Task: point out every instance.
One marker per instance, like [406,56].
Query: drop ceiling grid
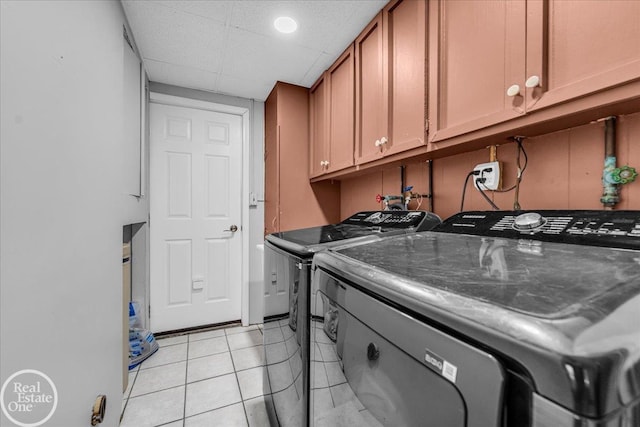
[231,47]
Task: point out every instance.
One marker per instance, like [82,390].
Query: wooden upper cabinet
[406,38]
[586,48]
[291,201]
[341,111]
[371,101]
[390,81]
[332,117]
[496,60]
[478,54]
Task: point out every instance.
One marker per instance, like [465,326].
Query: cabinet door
[478,54]
[405,25]
[587,47]
[371,103]
[341,111]
[318,127]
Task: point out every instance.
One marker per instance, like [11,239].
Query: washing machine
[492,319]
[287,278]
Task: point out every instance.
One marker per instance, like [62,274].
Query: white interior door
[195,204]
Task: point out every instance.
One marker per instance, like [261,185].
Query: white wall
[62,208]
[256,184]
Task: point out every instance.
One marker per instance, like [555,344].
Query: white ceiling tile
[231,46]
[177,75]
[252,89]
[251,56]
[176,37]
[322,63]
[321,24]
[352,25]
[218,10]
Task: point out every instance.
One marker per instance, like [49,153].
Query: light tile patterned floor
[211,378]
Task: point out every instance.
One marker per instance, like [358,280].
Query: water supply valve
[621,175]
[387,199]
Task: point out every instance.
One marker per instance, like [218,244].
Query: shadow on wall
[564,171]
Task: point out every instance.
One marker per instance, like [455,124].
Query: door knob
[232,229]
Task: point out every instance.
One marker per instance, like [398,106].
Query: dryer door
[376,366]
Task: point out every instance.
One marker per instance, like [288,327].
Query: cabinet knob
[377,143]
[383,140]
[513,90]
[326,163]
[533,81]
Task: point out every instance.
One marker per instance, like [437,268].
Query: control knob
[529,221]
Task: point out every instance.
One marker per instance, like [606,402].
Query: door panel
[480,55]
[179,175]
[341,112]
[218,271]
[195,199]
[371,117]
[406,27]
[178,264]
[584,49]
[318,124]
[218,172]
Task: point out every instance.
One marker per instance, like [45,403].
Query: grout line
[210,378]
[184,406]
[128,396]
[169,422]
[217,409]
[156,391]
[235,373]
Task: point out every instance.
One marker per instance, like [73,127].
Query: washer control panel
[597,228]
[418,220]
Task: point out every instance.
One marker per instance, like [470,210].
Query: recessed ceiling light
[285,24]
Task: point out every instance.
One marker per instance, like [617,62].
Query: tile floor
[211,378]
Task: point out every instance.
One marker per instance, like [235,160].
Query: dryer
[287,269]
[492,319]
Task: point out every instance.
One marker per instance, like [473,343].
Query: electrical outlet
[491,174]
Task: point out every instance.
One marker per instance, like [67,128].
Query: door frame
[176,101]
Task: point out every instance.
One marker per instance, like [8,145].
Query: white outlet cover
[492,179]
